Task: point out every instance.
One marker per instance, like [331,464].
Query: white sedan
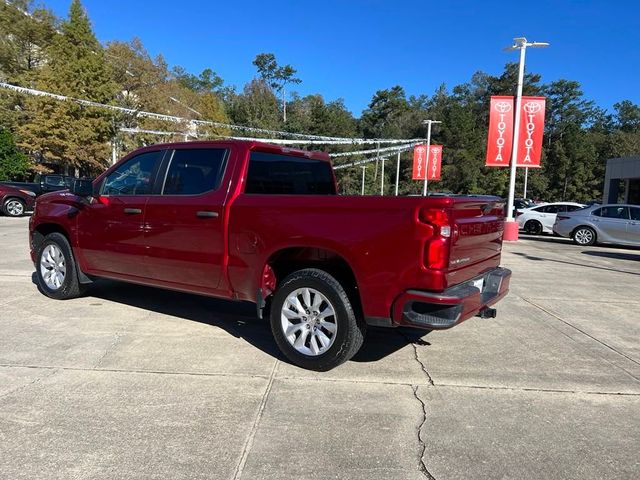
[541,218]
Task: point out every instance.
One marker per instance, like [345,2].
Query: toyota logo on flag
[532,107]
[502,107]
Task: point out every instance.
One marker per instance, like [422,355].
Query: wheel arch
[285,261]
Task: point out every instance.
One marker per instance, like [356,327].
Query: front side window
[272,173]
[134,177]
[635,213]
[194,171]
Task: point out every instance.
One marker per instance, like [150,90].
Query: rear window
[271,173]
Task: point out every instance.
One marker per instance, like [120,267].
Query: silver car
[612,223]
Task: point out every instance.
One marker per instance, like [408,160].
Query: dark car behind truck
[263,223]
[44,183]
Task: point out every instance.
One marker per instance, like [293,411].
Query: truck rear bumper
[442,310]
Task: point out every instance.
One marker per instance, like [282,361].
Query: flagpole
[426,168]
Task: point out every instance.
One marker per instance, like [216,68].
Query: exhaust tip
[487,313]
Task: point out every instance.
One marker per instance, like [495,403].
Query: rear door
[184,221]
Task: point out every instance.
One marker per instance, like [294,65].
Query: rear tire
[533,227]
[14,207]
[313,321]
[56,269]
[584,236]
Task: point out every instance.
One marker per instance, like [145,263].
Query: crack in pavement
[29,384]
[115,341]
[421,465]
[417,357]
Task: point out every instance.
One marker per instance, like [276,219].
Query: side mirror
[82,187]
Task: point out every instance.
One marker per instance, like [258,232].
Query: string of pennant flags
[304,139]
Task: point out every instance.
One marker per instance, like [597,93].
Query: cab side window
[134,177]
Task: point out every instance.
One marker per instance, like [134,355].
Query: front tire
[533,227]
[14,207]
[56,270]
[313,321]
[584,236]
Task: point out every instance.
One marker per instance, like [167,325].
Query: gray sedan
[613,223]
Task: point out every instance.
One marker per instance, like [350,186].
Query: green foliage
[14,165]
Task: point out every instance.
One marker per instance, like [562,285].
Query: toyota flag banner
[419,161]
[500,132]
[531,130]
[500,142]
[435,162]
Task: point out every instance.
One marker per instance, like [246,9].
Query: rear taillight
[438,218]
[561,217]
[436,248]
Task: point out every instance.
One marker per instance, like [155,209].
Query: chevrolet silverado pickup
[263,223]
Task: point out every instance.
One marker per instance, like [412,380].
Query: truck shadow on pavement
[545,259]
[634,257]
[236,318]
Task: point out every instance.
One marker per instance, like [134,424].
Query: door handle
[206,214]
[132,211]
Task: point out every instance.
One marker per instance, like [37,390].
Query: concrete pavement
[134,382]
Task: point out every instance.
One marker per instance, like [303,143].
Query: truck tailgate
[476,238]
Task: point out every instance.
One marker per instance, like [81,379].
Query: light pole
[426,167]
[397,173]
[519,43]
[364,169]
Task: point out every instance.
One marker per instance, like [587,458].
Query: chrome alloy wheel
[53,267]
[15,208]
[584,236]
[308,321]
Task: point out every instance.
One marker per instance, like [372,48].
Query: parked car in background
[539,219]
[619,224]
[44,183]
[15,201]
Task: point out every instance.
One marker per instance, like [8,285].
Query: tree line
[40,51]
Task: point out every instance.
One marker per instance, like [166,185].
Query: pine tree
[64,132]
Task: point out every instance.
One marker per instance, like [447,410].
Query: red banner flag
[531,130]
[435,162]
[419,161]
[500,132]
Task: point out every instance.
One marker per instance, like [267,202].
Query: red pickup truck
[264,223]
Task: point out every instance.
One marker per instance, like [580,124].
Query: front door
[633,227]
[184,222]
[110,227]
[613,222]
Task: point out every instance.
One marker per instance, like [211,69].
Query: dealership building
[622,181]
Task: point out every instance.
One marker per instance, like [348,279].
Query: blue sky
[350,49]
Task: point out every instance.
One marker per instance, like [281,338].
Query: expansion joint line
[254,428]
